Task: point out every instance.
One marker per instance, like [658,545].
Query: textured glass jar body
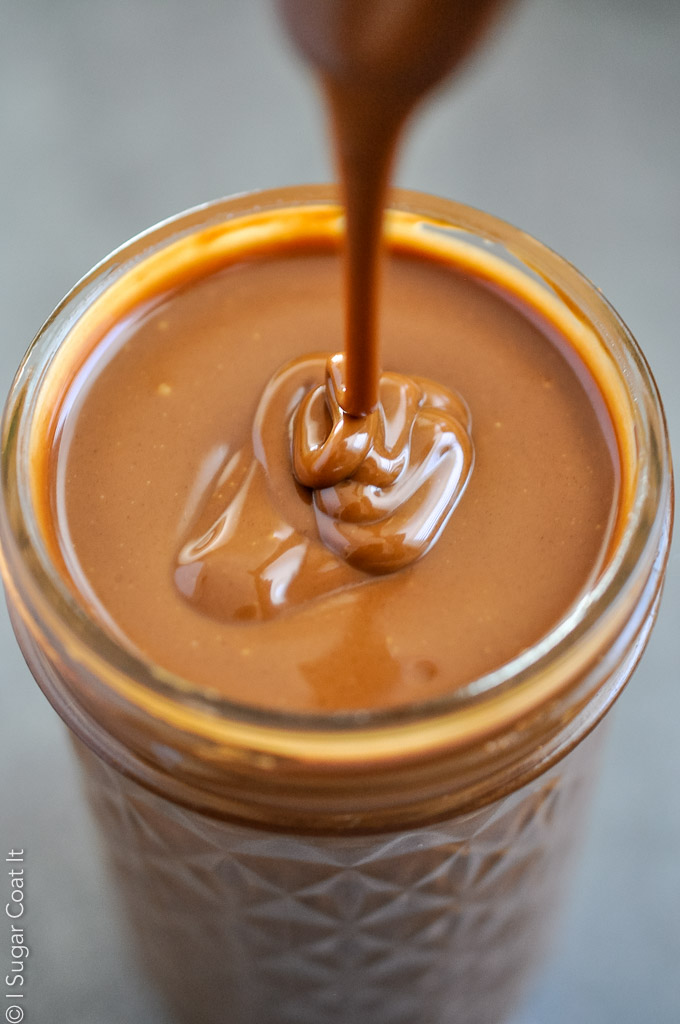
[398,868]
[427,926]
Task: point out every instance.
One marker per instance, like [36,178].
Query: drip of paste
[366,495]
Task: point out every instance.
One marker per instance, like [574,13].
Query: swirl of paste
[366,496]
[385,484]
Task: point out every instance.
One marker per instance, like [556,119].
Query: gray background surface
[116,115]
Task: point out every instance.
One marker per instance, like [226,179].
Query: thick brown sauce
[387,457]
[147,431]
[375,60]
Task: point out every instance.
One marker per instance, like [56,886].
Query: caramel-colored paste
[169,487]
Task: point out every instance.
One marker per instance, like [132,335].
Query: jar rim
[532,677]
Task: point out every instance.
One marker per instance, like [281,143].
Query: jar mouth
[561,656]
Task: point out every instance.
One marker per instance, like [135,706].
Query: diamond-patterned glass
[437,924]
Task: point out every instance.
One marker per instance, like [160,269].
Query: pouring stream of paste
[375,60]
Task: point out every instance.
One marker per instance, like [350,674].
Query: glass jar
[397,866]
